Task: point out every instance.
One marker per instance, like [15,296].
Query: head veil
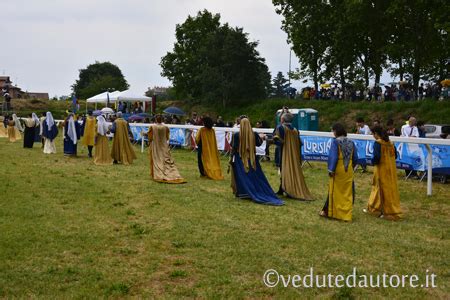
[17,122]
[36,119]
[102,126]
[247,144]
[49,120]
[71,130]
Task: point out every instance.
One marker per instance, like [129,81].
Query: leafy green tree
[308,31]
[420,45]
[279,85]
[98,78]
[215,63]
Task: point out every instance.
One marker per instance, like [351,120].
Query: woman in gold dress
[162,166]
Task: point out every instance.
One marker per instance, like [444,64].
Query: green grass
[70,229]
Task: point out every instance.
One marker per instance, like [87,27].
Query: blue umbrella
[135,118]
[145,115]
[96,113]
[174,111]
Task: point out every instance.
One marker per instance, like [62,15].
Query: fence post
[430,171]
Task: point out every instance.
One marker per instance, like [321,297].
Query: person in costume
[208,154]
[162,166]
[3,130]
[287,138]
[29,133]
[11,130]
[37,129]
[89,133]
[122,150]
[71,135]
[384,200]
[102,156]
[49,132]
[341,191]
[18,128]
[41,129]
[14,127]
[247,177]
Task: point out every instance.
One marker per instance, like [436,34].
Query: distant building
[16,92]
[160,90]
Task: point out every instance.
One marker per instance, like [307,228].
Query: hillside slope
[430,111]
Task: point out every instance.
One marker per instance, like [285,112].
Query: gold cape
[3,130]
[292,179]
[13,132]
[122,150]
[210,154]
[89,132]
[162,166]
[384,198]
[101,152]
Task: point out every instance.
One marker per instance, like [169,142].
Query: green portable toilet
[308,119]
[304,118]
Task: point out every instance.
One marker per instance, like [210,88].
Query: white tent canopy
[130,96]
[103,97]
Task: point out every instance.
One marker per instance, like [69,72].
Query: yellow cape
[210,154]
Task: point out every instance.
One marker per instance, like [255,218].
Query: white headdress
[49,120]
[102,126]
[17,122]
[71,131]
[35,118]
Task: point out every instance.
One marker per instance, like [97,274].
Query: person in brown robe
[102,155]
[292,180]
[122,150]
[162,166]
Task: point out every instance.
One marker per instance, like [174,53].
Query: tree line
[355,40]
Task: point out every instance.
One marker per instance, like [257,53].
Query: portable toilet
[304,119]
[308,119]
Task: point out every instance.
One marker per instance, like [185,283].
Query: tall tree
[420,45]
[98,78]
[308,31]
[279,85]
[215,63]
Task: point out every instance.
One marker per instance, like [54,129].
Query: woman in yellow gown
[384,200]
[3,130]
[162,166]
[208,155]
[341,160]
[102,156]
[14,129]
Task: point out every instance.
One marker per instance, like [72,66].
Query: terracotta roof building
[16,92]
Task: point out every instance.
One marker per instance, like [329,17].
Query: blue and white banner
[177,135]
[410,156]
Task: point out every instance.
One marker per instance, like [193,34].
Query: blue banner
[136,131]
[410,156]
[177,135]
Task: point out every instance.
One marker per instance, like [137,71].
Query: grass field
[70,229]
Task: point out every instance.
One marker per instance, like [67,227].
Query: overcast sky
[46,42]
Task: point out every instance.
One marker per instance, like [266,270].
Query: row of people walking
[247,177]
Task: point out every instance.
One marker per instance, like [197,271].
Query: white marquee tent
[125,96]
[103,97]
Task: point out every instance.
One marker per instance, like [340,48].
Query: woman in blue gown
[247,177]
[71,136]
